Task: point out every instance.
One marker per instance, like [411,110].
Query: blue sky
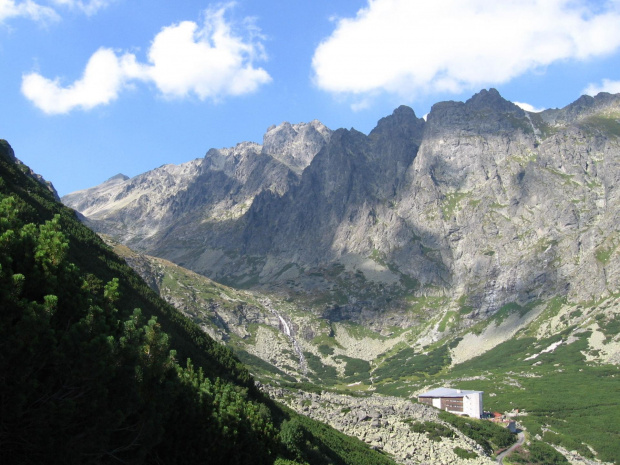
[93,88]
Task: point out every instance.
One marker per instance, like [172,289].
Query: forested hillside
[95,368]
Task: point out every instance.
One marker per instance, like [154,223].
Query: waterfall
[286,329]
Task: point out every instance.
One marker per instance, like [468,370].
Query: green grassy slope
[563,397]
[568,401]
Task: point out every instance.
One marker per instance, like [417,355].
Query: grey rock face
[334,206]
[204,196]
[296,144]
[484,203]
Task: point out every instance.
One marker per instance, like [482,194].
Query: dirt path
[520,439]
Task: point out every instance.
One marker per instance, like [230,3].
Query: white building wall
[472,405]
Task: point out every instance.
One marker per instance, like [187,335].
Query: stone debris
[383,423]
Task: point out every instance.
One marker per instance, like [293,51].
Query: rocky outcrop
[484,201]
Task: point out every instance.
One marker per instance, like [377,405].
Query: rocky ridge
[484,203]
[203,196]
[518,240]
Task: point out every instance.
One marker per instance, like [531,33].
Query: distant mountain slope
[484,203]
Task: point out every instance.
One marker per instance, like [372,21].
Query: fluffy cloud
[613,87]
[407,47]
[26,9]
[528,107]
[210,62]
[104,76]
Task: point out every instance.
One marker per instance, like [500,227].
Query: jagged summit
[295,144]
[584,107]
[221,186]
[401,119]
[485,112]
[120,177]
[493,101]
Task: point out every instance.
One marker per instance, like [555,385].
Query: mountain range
[476,247]
[483,202]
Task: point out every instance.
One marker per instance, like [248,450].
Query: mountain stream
[286,329]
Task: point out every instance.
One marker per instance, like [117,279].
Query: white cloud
[88,7]
[210,62]
[528,107]
[613,87]
[26,9]
[104,77]
[407,47]
[36,11]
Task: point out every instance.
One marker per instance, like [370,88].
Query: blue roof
[448,392]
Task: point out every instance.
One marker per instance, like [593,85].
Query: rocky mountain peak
[587,104]
[119,176]
[584,107]
[403,120]
[487,112]
[491,100]
[229,159]
[295,145]
[117,179]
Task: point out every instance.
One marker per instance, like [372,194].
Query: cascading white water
[286,329]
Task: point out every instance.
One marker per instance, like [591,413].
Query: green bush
[542,453]
[326,350]
[434,431]
[407,362]
[489,435]
[464,454]
[356,369]
[292,437]
[281,461]
[537,453]
[325,373]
